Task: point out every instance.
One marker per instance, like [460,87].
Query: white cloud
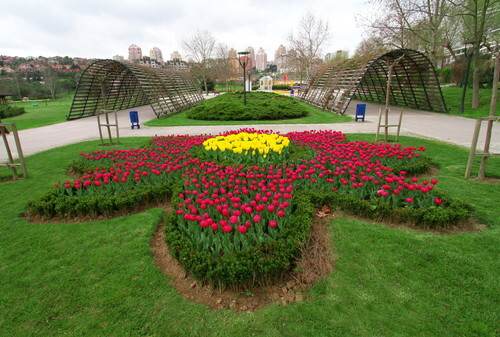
[103,28]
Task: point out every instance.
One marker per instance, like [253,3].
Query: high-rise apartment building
[251,58]
[280,58]
[155,54]
[134,53]
[261,59]
[175,56]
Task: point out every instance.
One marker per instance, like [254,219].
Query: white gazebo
[266,83]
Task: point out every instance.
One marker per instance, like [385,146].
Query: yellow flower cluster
[248,143]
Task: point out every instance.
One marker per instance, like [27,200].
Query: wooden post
[117,131]
[387,97]
[379,121]
[9,153]
[20,154]
[489,127]
[473,148]
[399,125]
[109,128]
[99,127]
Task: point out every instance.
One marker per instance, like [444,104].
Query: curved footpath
[448,128]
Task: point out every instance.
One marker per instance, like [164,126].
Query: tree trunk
[205,85]
[475,83]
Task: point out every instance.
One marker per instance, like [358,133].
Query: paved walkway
[448,128]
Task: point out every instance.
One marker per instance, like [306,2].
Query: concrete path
[452,129]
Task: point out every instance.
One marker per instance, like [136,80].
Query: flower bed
[242,209]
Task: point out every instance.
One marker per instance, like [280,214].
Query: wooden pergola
[108,85]
[413,84]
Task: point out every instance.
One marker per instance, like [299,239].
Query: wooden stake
[379,121]
[9,153]
[489,127]
[473,149]
[99,127]
[117,131]
[109,128]
[20,154]
[399,125]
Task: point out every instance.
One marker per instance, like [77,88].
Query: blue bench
[360,112]
[134,119]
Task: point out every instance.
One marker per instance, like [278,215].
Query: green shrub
[432,217]
[418,165]
[260,106]
[55,204]
[7,111]
[281,87]
[266,260]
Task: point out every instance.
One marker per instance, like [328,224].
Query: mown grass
[452,96]
[99,279]
[228,109]
[41,113]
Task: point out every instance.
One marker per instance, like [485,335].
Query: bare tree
[480,19]
[419,24]
[223,64]
[307,43]
[200,47]
[386,25]
[370,47]
[50,80]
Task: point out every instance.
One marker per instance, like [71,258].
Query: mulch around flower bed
[316,261]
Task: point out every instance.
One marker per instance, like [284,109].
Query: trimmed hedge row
[7,111]
[433,217]
[264,261]
[53,204]
[275,256]
[260,106]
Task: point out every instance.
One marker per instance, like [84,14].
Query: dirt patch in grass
[316,262]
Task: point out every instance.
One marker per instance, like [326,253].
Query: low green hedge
[261,262]
[55,204]
[7,111]
[260,106]
[281,87]
[273,257]
[433,217]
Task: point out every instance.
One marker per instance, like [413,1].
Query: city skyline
[100,29]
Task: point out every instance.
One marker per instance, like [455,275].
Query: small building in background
[266,84]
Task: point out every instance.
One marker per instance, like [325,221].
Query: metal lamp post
[243,60]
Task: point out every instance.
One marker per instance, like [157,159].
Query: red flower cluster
[254,201]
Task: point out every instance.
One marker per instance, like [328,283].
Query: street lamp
[243,60]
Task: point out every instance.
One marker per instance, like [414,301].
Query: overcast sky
[103,28]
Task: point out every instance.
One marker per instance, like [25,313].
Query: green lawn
[98,278]
[232,86]
[40,113]
[316,116]
[452,96]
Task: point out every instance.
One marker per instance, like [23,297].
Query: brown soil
[316,261]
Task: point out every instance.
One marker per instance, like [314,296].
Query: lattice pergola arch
[414,82]
[109,85]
